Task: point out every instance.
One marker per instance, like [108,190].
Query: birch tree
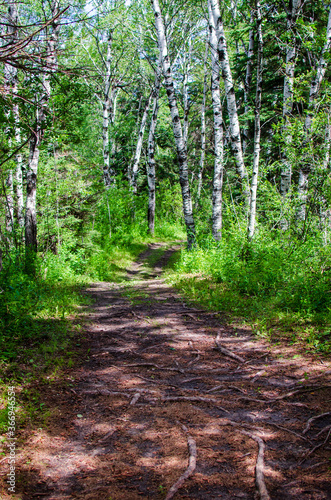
[151,152]
[230,98]
[177,128]
[203,123]
[291,50]
[42,101]
[136,159]
[313,93]
[257,124]
[218,130]
[247,83]
[10,88]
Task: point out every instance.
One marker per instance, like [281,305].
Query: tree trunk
[286,174]
[186,103]
[19,173]
[41,110]
[106,116]
[203,123]
[10,87]
[257,124]
[248,81]
[136,160]
[230,98]
[151,152]
[314,89]
[178,134]
[218,131]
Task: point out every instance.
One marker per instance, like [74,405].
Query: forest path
[151,367]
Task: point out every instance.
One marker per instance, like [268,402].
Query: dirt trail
[151,367]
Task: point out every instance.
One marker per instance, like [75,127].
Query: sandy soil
[152,383]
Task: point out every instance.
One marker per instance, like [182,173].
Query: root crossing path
[171,402]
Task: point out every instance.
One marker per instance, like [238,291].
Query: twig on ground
[312,419]
[226,352]
[190,469]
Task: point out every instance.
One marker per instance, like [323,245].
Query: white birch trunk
[10,202]
[41,110]
[186,104]
[248,80]
[286,174]
[10,88]
[230,98]
[151,153]
[314,89]
[178,134]
[19,173]
[257,125]
[113,96]
[325,212]
[203,124]
[106,116]
[218,131]
[136,160]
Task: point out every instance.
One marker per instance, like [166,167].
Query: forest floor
[161,385]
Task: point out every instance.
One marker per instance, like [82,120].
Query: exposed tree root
[298,391]
[226,352]
[312,419]
[262,492]
[153,365]
[288,430]
[316,448]
[190,469]
[195,398]
[220,386]
[323,430]
[135,398]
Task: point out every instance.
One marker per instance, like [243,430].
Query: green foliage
[275,278]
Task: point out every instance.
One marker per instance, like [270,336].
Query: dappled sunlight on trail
[152,369]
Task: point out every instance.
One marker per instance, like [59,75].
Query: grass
[279,300]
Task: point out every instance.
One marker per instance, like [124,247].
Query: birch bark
[231,98]
[177,128]
[286,174]
[136,160]
[186,102]
[218,131]
[203,123]
[151,153]
[314,89]
[248,81]
[257,124]
[106,116]
[41,109]
[10,87]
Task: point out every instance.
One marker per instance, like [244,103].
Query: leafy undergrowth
[40,334]
[282,293]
